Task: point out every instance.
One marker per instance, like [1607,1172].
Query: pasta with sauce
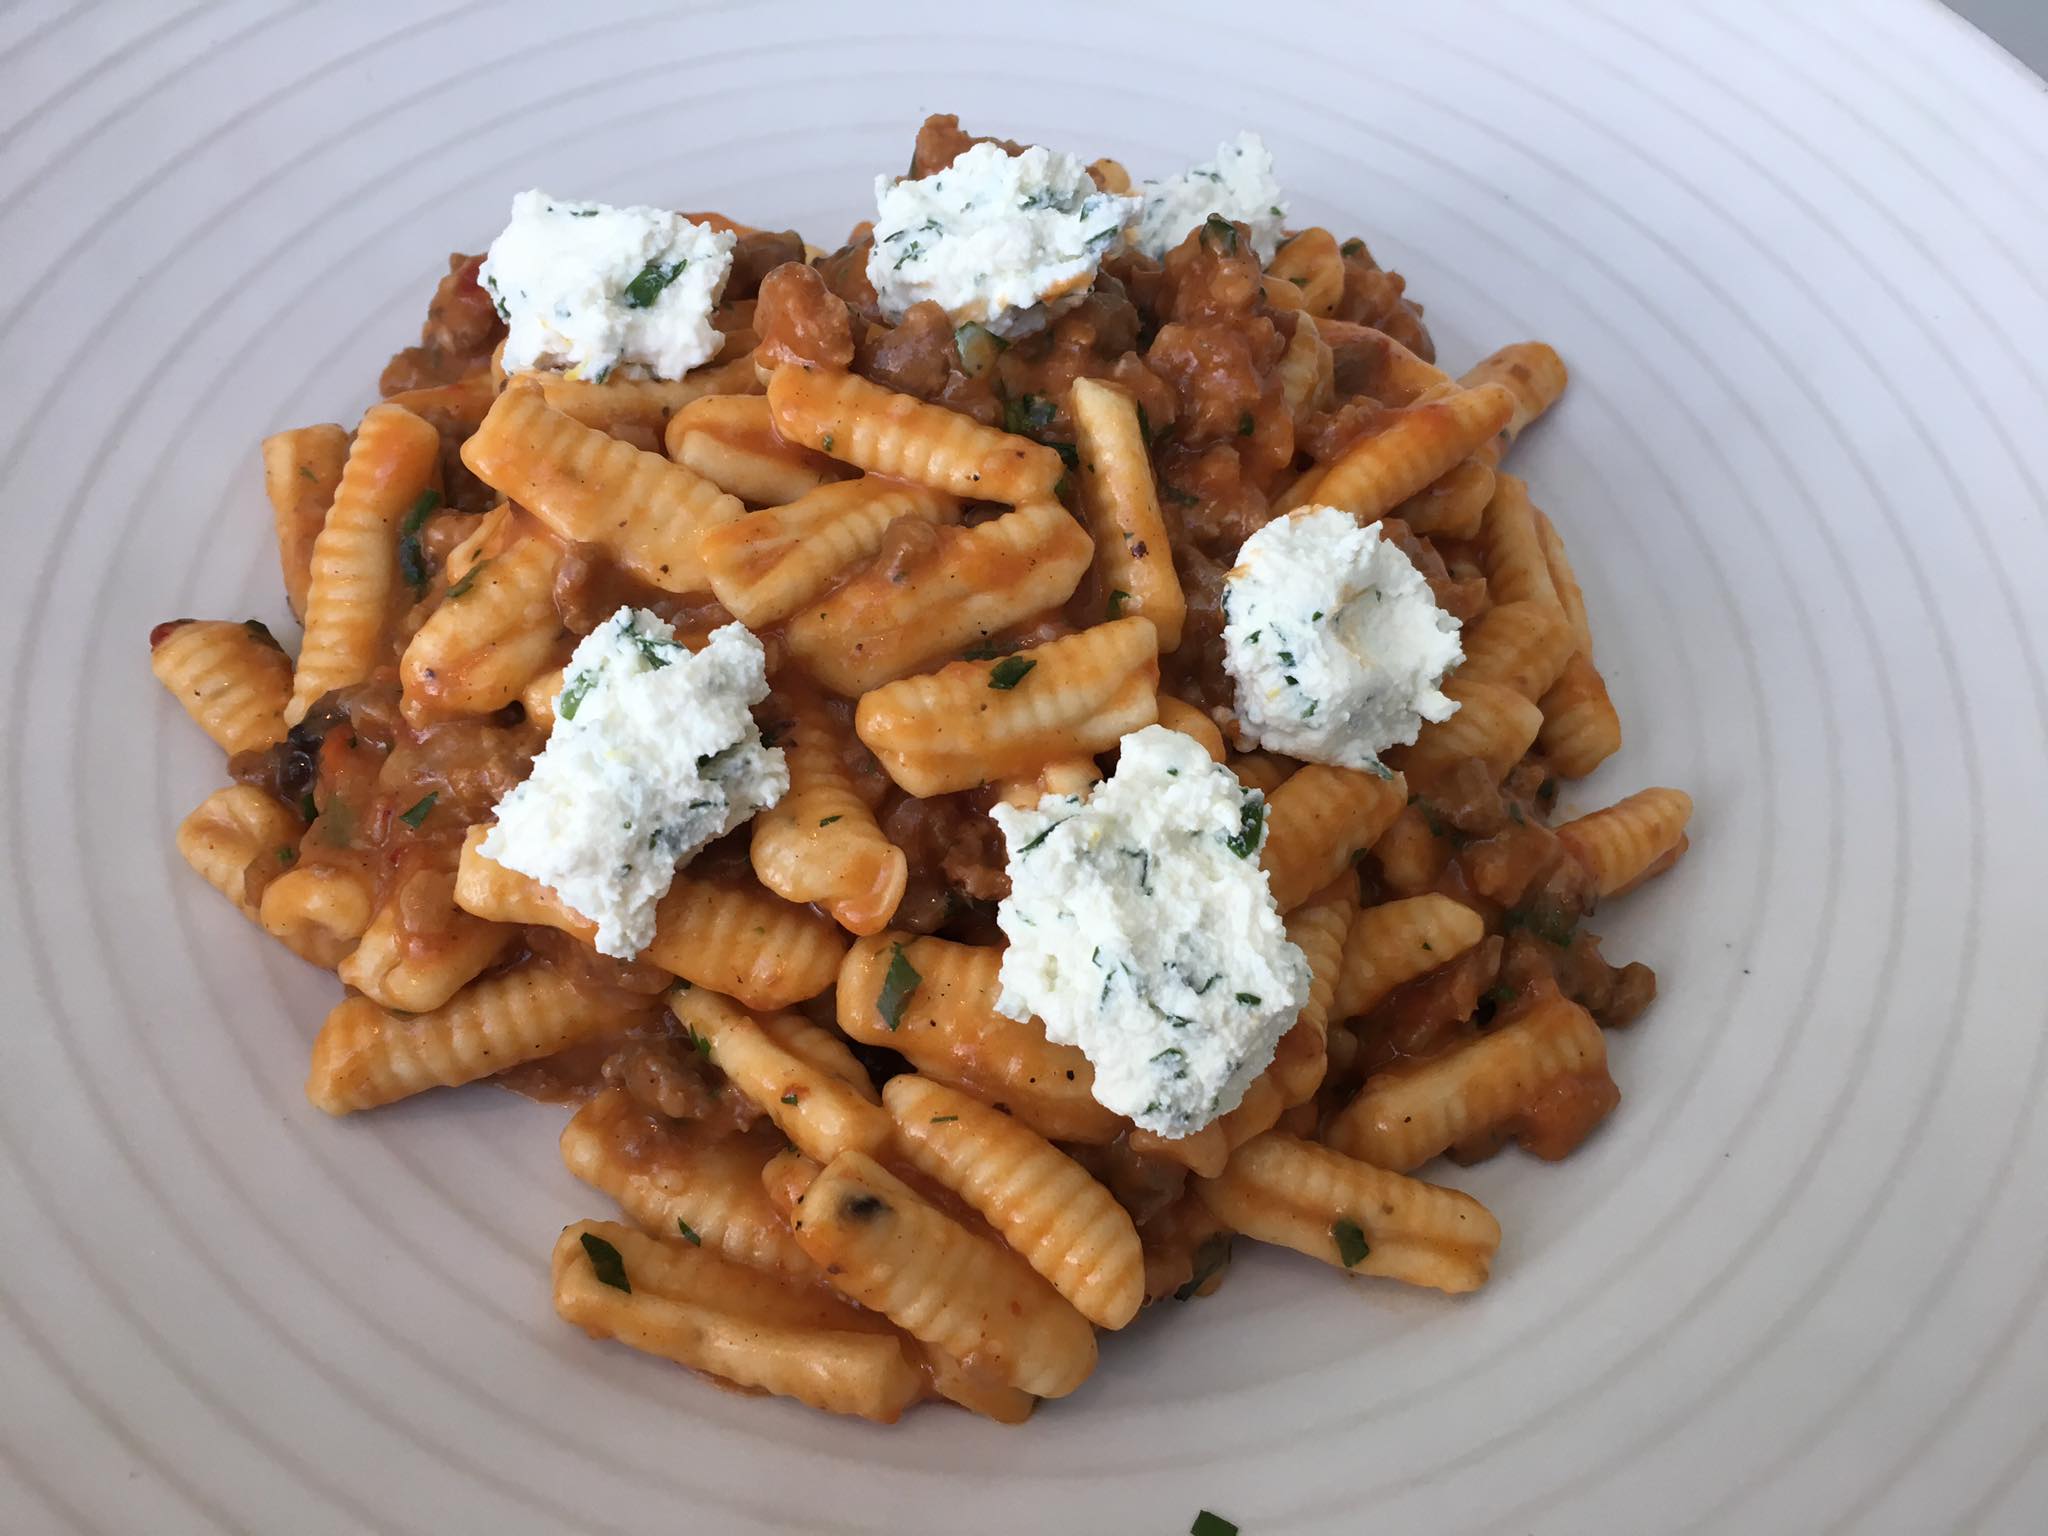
[976,554]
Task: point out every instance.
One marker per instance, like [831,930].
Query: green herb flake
[412,555]
[1009,672]
[1117,599]
[827,821]
[461,588]
[1249,999]
[418,813]
[1352,247]
[575,693]
[1028,415]
[606,1264]
[1048,832]
[287,855]
[944,1119]
[307,471]
[898,982]
[1500,994]
[826,442]
[309,808]
[1251,823]
[1207,1524]
[986,651]
[654,277]
[689,1233]
[1245,424]
[1351,1244]
[1222,231]
[1211,1259]
[790,1098]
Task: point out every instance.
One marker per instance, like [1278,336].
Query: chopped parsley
[1048,832]
[688,1232]
[412,818]
[826,443]
[1249,999]
[1222,231]
[1178,496]
[826,821]
[1009,672]
[287,855]
[943,1119]
[898,982]
[789,1098]
[307,471]
[468,580]
[606,1264]
[1351,1244]
[1028,415]
[986,651]
[1117,599]
[701,1044]
[1351,247]
[1544,917]
[412,555]
[654,277]
[575,693]
[309,808]
[1207,1524]
[1173,1056]
[1211,1259]
[1251,822]
[1245,424]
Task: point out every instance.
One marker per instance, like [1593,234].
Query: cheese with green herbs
[653,754]
[589,288]
[1334,641]
[1238,184]
[1141,930]
[998,240]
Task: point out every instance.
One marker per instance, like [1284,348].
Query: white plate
[1792,254]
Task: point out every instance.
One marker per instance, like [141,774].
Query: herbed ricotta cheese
[1142,930]
[588,287]
[1006,241]
[653,754]
[1334,641]
[1238,184]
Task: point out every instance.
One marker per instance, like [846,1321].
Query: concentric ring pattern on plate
[1799,1283]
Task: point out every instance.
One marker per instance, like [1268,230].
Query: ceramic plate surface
[1793,256]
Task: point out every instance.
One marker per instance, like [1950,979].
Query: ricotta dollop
[1238,184]
[589,287]
[1334,641]
[1141,930]
[1005,241]
[653,754]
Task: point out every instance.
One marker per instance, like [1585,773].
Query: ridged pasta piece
[820,842]
[318,911]
[720,932]
[1493,723]
[454,408]
[1529,371]
[957,1384]
[365,1056]
[1202,1152]
[643,511]
[1262,770]
[420,949]
[1382,367]
[301,470]
[1630,840]
[230,830]
[1580,728]
[885,433]
[1044,1204]
[822,1112]
[1521,645]
[729,934]
[1317,819]
[354,593]
[1411,857]
[1414,446]
[707,1313]
[976,721]
[1312,263]
[643,405]
[1510,552]
[731,441]
[948,1028]
[234,680]
[1281,294]
[1132,553]
[1570,596]
[1318,927]
[1057,776]
[895,1253]
[947,589]
[765,566]
[1178,715]
[1397,941]
[538,697]
[494,631]
[669,1175]
[1353,1216]
[1306,371]
[1452,506]
[1540,1078]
